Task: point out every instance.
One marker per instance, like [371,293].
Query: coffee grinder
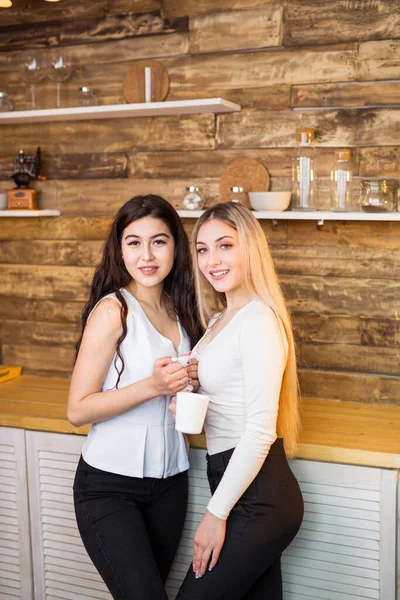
[25,168]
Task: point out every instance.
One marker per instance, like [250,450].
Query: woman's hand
[208,541]
[192,371]
[169,377]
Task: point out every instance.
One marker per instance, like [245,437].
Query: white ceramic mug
[191,411]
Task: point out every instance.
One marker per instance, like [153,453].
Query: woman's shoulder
[262,316]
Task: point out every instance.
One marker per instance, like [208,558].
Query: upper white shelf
[30,213]
[117,111]
[315,215]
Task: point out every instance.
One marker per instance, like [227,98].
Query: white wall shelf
[30,213]
[117,111]
[318,215]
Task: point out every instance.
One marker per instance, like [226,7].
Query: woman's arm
[263,358]
[86,402]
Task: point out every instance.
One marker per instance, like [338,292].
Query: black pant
[131,528]
[260,526]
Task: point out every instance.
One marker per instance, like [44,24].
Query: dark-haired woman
[130,489]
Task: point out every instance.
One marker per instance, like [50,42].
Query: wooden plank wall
[330,64]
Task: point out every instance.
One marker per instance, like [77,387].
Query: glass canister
[341,181]
[304,195]
[193,200]
[5,103]
[237,194]
[86,97]
[379,194]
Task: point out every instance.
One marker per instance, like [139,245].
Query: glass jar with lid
[341,181]
[5,103]
[192,200]
[378,194]
[237,194]
[86,97]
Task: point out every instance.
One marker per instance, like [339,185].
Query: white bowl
[269,200]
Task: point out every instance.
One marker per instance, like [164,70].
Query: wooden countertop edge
[349,456]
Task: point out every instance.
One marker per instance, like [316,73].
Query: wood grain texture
[359,94]
[76,166]
[36,12]
[350,387]
[56,228]
[179,8]
[110,52]
[337,261]
[91,197]
[31,309]
[350,358]
[22,332]
[115,135]
[255,69]
[378,60]
[311,21]
[369,298]
[38,252]
[385,161]
[37,358]
[77,31]
[213,163]
[62,284]
[235,30]
[346,234]
[352,127]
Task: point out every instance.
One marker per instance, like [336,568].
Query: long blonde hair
[259,276]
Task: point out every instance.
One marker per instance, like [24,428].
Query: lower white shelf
[315,215]
[30,213]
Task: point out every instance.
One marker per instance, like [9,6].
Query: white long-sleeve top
[241,371]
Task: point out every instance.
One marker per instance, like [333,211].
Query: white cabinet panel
[15,547]
[62,568]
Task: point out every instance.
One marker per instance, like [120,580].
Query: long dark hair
[111,274]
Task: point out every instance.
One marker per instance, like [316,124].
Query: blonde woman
[247,366]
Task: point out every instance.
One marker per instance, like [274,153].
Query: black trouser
[260,526]
[131,528]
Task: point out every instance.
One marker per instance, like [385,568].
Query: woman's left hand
[208,542]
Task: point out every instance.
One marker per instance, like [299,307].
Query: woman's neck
[236,299]
[152,297]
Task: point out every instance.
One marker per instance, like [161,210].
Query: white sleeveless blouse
[141,442]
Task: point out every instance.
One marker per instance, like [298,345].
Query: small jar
[5,103]
[237,194]
[193,200]
[86,97]
[378,195]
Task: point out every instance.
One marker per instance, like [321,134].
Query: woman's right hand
[169,377]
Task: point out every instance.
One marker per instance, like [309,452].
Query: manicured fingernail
[174,359]
[210,568]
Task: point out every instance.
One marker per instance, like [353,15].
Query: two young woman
[131,485]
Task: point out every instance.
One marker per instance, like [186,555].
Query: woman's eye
[133,243]
[201,250]
[226,246]
[159,242]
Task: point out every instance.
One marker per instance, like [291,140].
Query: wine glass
[33,70]
[60,69]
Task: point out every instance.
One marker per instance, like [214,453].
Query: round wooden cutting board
[247,173]
[134,82]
